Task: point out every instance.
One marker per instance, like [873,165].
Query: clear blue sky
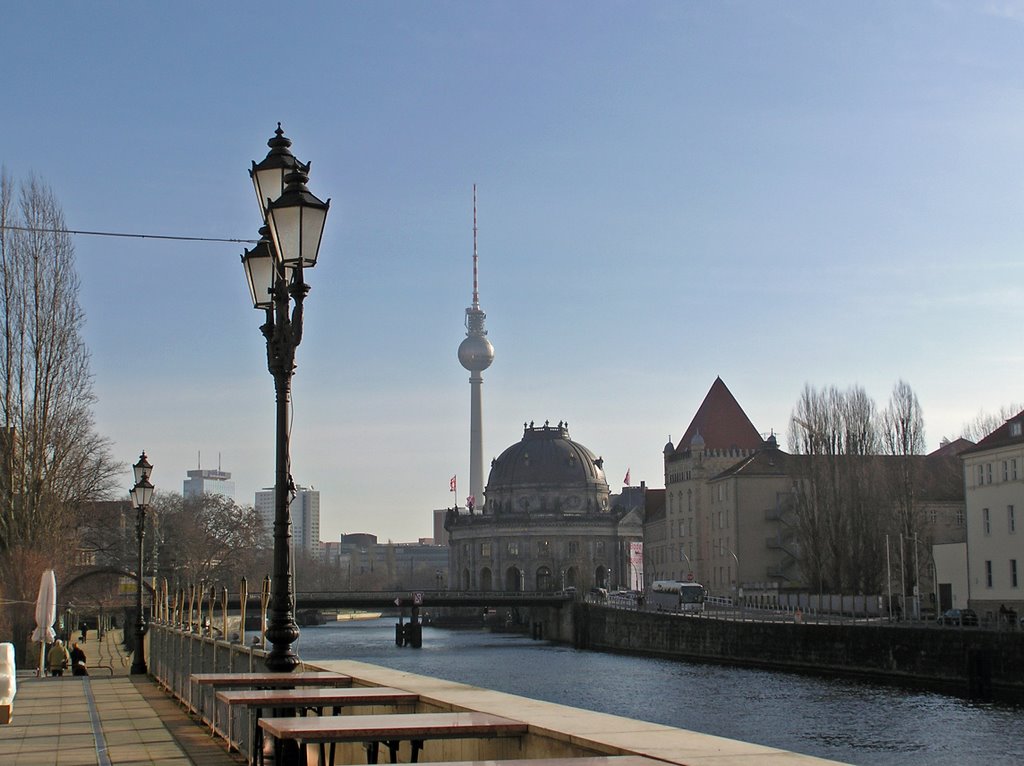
[778,193]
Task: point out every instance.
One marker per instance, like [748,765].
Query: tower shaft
[476,438]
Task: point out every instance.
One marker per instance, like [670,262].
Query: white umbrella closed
[46,614]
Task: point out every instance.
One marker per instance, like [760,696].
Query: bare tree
[54,457]
[985,423]
[208,538]
[903,440]
[839,524]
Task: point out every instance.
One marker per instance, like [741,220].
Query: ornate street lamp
[142,495]
[290,241]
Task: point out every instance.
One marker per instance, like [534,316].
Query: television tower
[475,354]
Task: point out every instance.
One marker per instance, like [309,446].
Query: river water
[850,721]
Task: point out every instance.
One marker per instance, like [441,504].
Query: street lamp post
[141,494]
[290,241]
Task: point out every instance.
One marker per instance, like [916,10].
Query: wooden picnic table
[259,680]
[289,701]
[389,729]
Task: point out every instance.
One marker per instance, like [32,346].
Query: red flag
[626,480]
[451,485]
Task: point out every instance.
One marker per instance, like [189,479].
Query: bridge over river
[426,598]
[421,598]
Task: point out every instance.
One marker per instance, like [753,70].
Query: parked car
[958,617]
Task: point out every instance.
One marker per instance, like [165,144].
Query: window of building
[1013,572]
[543,547]
[988,473]
[1006,471]
[981,474]
[574,547]
[1011,519]
[599,547]
[959,517]
[513,549]
[986,522]
[485,550]
[1015,429]
[465,550]
[1013,469]
[933,516]
[988,574]
[682,527]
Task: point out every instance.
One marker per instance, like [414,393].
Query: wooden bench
[264,680]
[292,735]
[287,702]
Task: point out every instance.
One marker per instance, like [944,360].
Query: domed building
[546,523]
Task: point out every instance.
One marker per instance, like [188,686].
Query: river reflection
[842,720]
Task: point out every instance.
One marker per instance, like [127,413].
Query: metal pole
[888,575]
[283,334]
[903,579]
[917,583]
[139,659]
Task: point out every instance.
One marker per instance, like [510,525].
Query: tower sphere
[476,353]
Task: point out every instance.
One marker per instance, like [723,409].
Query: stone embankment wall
[979,663]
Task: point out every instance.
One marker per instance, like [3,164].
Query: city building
[440,533]
[305,515]
[752,526]
[363,563]
[206,481]
[993,473]
[698,539]
[547,522]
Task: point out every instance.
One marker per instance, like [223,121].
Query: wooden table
[289,701]
[389,729]
[263,680]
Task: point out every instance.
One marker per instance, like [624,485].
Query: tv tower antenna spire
[476,258]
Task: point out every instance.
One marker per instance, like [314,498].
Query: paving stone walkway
[107,718]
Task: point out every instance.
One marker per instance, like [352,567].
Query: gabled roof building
[700,540]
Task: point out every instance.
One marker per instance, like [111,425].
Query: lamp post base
[139,657]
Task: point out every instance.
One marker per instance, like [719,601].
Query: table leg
[372,751]
[416,745]
[393,749]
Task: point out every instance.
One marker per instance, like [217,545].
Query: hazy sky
[777,193]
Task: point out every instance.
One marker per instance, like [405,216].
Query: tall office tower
[305,514]
[205,481]
[475,354]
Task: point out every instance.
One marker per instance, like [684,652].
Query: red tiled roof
[722,423]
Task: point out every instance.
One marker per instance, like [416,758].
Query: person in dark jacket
[78,667]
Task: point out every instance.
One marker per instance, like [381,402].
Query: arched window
[544,581]
[571,578]
[485,578]
[513,580]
